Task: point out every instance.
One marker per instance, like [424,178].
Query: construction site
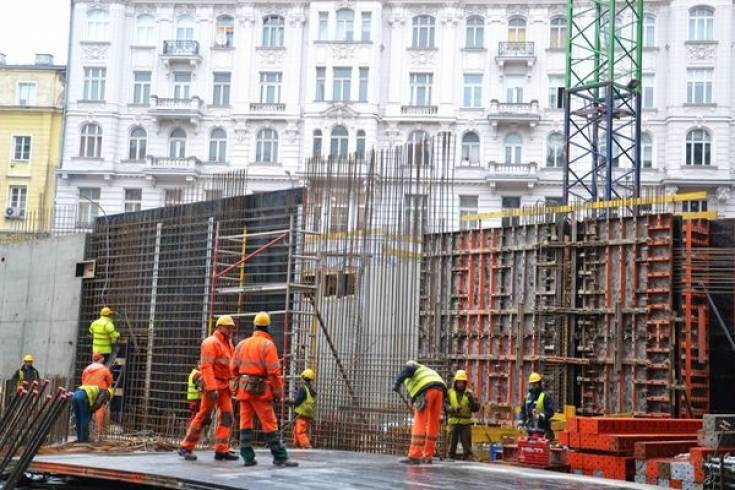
[621,301]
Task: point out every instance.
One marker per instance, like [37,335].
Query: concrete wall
[39,303]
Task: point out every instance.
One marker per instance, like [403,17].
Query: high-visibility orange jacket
[97,374]
[257,356]
[215,361]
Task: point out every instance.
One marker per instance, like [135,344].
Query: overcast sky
[28,27]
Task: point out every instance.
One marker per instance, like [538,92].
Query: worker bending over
[426,389]
[461,405]
[97,374]
[26,372]
[86,401]
[260,384]
[194,388]
[216,356]
[304,405]
[104,335]
[538,408]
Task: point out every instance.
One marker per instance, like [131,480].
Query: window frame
[701,27]
[323,26]
[423,32]
[474,32]
[218,145]
[274,31]
[693,85]
[149,38]
[473,90]
[649,31]
[20,200]
[705,152]
[137,145]
[317,141]
[221,88]
[271,87]
[517,29]
[341,85]
[14,149]
[87,211]
[345,28]
[363,83]
[132,205]
[185,28]
[360,144]
[320,88]
[266,144]
[554,152]
[180,85]
[95,80]
[31,84]
[177,143]
[221,27]
[468,209]
[97,30]
[340,142]
[142,88]
[366,26]
[470,149]
[421,86]
[558,32]
[646,148]
[513,150]
[91,140]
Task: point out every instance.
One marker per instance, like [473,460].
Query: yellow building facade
[31,127]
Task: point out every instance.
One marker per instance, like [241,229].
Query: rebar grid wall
[370,214]
[591,303]
[154,268]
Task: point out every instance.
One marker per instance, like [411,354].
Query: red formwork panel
[697,455]
[662,449]
[620,425]
[614,467]
[658,468]
[620,443]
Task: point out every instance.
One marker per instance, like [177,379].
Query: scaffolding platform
[318,469]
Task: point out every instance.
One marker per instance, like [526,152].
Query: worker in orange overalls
[304,405]
[259,384]
[215,363]
[97,374]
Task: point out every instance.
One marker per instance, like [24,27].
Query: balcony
[163,109]
[187,167]
[523,173]
[181,52]
[522,52]
[419,110]
[267,107]
[514,112]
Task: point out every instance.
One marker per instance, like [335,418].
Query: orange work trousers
[263,409]
[426,425]
[224,423]
[301,432]
[99,420]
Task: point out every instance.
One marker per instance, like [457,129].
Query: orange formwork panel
[697,456]
[661,449]
[625,425]
[659,468]
[614,467]
[620,443]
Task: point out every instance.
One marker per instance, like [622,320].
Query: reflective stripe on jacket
[462,409]
[257,356]
[192,392]
[308,406]
[103,335]
[421,378]
[215,361]
[97,374]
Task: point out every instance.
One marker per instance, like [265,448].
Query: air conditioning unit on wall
[14,213]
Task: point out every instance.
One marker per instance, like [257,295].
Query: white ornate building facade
[163,92]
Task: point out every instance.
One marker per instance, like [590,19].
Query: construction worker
[461,405]
[304,405]
[538,408]
[426,389]
[86,401]
[26,372]
[260,384]
[104,335]
[97,374]
[216,355]
[194,388]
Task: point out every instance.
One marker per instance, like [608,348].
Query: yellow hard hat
[106,311]
[111,391]
[28,358]
[262,319]
[308,374]
[534,378]
[225,321]
[460,375]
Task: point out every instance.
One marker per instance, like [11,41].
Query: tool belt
[255,385]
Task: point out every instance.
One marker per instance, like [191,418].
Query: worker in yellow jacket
[86,401]
[104,334]
[304,405]
[26,373]
[461,405]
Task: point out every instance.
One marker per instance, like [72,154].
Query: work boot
[285,463]
[228,456]
[187,455]
[409,461]
[427,461]
[250,462]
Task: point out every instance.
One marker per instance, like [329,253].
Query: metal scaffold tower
[602,123]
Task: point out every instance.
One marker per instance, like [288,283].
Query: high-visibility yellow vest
[464,416]
[307,407]
[93,392]
[421,378]
[539,402]
[192,393]
[103,335]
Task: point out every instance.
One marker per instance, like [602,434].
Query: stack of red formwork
[605,446]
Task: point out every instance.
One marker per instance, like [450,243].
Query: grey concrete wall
[39,304]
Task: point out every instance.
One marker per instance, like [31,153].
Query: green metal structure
[602,124]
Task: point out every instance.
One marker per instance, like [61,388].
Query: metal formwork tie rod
[32,417]
[11,408]
[17,416]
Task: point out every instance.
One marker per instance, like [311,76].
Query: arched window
[90,144]
[316,146]
[517,30]
[273,31]
[513,148]
[184,28]
[558,32]
[339,142]
[224,37]
[646,151]
[360,146]
[699,147]
[218,145]
[701,24]
[267,146]
[177,143]
[138,140]
[555,151]
[145,30]
[605,31]
[423,31]
[471,148]
[649,31]
[345,25]
[97,25]
[475,32]
[418,148]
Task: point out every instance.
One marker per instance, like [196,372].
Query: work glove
[213,395]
